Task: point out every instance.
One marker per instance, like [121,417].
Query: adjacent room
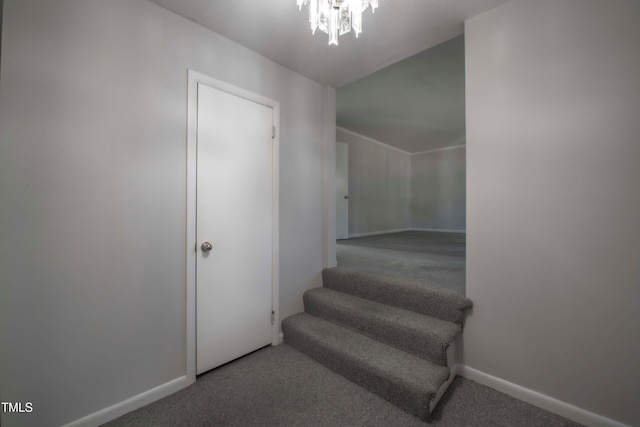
[174,250]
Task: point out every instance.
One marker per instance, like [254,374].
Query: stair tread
[407,380]
[424,336]
[407,294]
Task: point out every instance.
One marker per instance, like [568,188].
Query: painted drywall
[553,202]
[438,190]
[93,186]
[329,209]
[379,185]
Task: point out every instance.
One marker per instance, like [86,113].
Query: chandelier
[337,17]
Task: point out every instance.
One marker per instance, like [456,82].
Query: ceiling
[415,105]
[279,31]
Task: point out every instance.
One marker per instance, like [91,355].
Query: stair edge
[410,404]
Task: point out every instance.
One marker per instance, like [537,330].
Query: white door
[234,215]
[342,190]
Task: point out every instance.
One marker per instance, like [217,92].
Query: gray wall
[93,188]
[379,186]
[553,206]
[438,190]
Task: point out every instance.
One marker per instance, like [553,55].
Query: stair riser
[428,347]
[380,383]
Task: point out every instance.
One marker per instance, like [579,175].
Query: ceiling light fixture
[337,17]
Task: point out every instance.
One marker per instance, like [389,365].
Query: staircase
[387,335]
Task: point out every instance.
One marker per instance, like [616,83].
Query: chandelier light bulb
[336,17]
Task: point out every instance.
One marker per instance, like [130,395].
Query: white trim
[443,388]
[275,226]
[375,141]
[391,147]
[192,113]
[439,149]
[540,400]
[439,230]
[192,126]
[375,233]
[112,412]
[453,371]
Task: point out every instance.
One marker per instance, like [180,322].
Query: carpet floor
[279,386]
[435,258]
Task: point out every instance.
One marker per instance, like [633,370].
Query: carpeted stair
[387,335]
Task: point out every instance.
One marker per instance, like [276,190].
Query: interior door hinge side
[273,317]
[273,132]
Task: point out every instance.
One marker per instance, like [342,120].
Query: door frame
[345,145]
[195,78]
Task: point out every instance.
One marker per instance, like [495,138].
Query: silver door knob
[206,247]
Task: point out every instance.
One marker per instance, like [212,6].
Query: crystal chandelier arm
[313,15]
[356,16]
[334,25]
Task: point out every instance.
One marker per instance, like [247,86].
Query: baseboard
[453,371]
[438,230]
[443,388]
[376,233]
[540,400]
[112,412]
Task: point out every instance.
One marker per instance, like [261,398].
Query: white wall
[379,185]
[93,188]
[553,206]
[438,189]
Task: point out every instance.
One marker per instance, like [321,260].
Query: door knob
[206,247]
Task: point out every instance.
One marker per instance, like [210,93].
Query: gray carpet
[424,336]
[435,258]
[407,293]
[387,334]
[279,386]
[406,380]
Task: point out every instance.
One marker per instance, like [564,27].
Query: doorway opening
[405,137]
